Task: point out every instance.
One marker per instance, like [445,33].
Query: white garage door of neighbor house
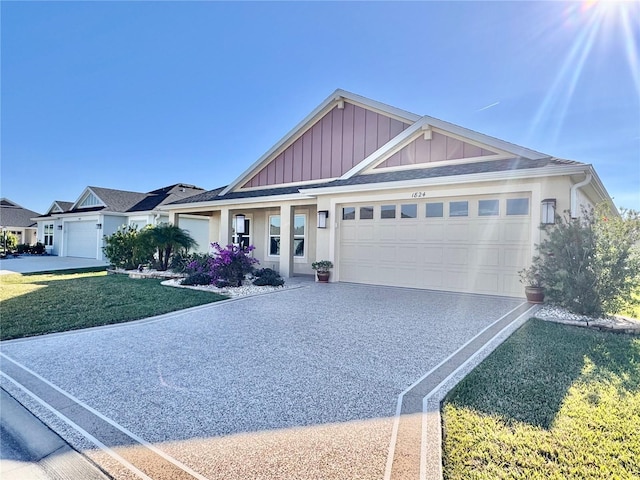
[80,239]
[473,244]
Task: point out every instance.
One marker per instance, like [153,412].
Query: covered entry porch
[282,233]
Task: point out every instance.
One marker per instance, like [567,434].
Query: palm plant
[167,239]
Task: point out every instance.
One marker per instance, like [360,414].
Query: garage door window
[366,213]
[517,206]
[409,211]
[435,210]
[488,208]
[349,213]
[458,209]
[388,211]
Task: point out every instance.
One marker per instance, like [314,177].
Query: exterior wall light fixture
[323,215]
[549,211]
[239,224]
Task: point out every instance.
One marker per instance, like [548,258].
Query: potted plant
[322,269]
[531,278]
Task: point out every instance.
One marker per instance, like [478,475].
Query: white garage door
[474,244]
[81,239]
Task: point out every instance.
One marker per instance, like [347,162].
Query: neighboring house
[394,198]
[17,220]
[77,229]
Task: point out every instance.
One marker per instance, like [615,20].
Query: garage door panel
[407,233]
[387,232]
[487,282]
[515,257]
[486,257]
[516,232]
[457,232]
[464,254]
[433,232]
[486,232]
[456,280]
[456,256]
[81,239]
[433,255]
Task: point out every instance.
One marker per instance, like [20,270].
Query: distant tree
[167,239]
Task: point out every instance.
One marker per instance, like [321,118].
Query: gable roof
[123,201]
[267,171]
[60,205]
[13,215]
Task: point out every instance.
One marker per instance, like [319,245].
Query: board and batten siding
[332,146]
[439,149]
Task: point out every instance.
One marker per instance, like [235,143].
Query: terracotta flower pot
[534,294]
[323,277]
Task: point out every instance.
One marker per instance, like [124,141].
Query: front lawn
[553,402]
[34,304]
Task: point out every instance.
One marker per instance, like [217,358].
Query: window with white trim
[299,234]
[48,234]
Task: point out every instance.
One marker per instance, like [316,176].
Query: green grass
[553,402]
[36,304]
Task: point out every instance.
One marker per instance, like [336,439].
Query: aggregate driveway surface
[308,376]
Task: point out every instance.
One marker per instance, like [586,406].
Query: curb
[54,457]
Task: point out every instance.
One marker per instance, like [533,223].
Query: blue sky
[139,95]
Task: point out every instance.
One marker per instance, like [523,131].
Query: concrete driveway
[45,263]
[303,383]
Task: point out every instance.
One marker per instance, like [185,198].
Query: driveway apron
[301,383]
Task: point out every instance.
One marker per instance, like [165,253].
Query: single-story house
[17,220]
[77,229]
[395,198]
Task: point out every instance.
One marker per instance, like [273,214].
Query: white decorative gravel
[562,315]
[245,290]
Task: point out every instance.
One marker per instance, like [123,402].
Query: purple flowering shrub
[227,266]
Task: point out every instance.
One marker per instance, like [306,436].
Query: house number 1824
[418,194]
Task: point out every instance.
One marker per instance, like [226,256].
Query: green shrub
[38,249]
[128,248]
[590,265]
[22,248]
[267,276]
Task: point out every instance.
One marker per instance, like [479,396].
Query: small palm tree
[168,238]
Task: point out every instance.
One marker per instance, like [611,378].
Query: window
[366,213]
[299,227]
[409,211]
[299,231]
[487,208]
[517,206]
[246,237]
[48,234]
[388,211]
[435,210]
[274,235]
[458,209]
[349,213]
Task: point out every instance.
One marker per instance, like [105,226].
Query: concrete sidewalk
[29,450]
[45,263]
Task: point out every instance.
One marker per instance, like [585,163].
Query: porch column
[286,241]
[224,237]
[174,218]
[214,229]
